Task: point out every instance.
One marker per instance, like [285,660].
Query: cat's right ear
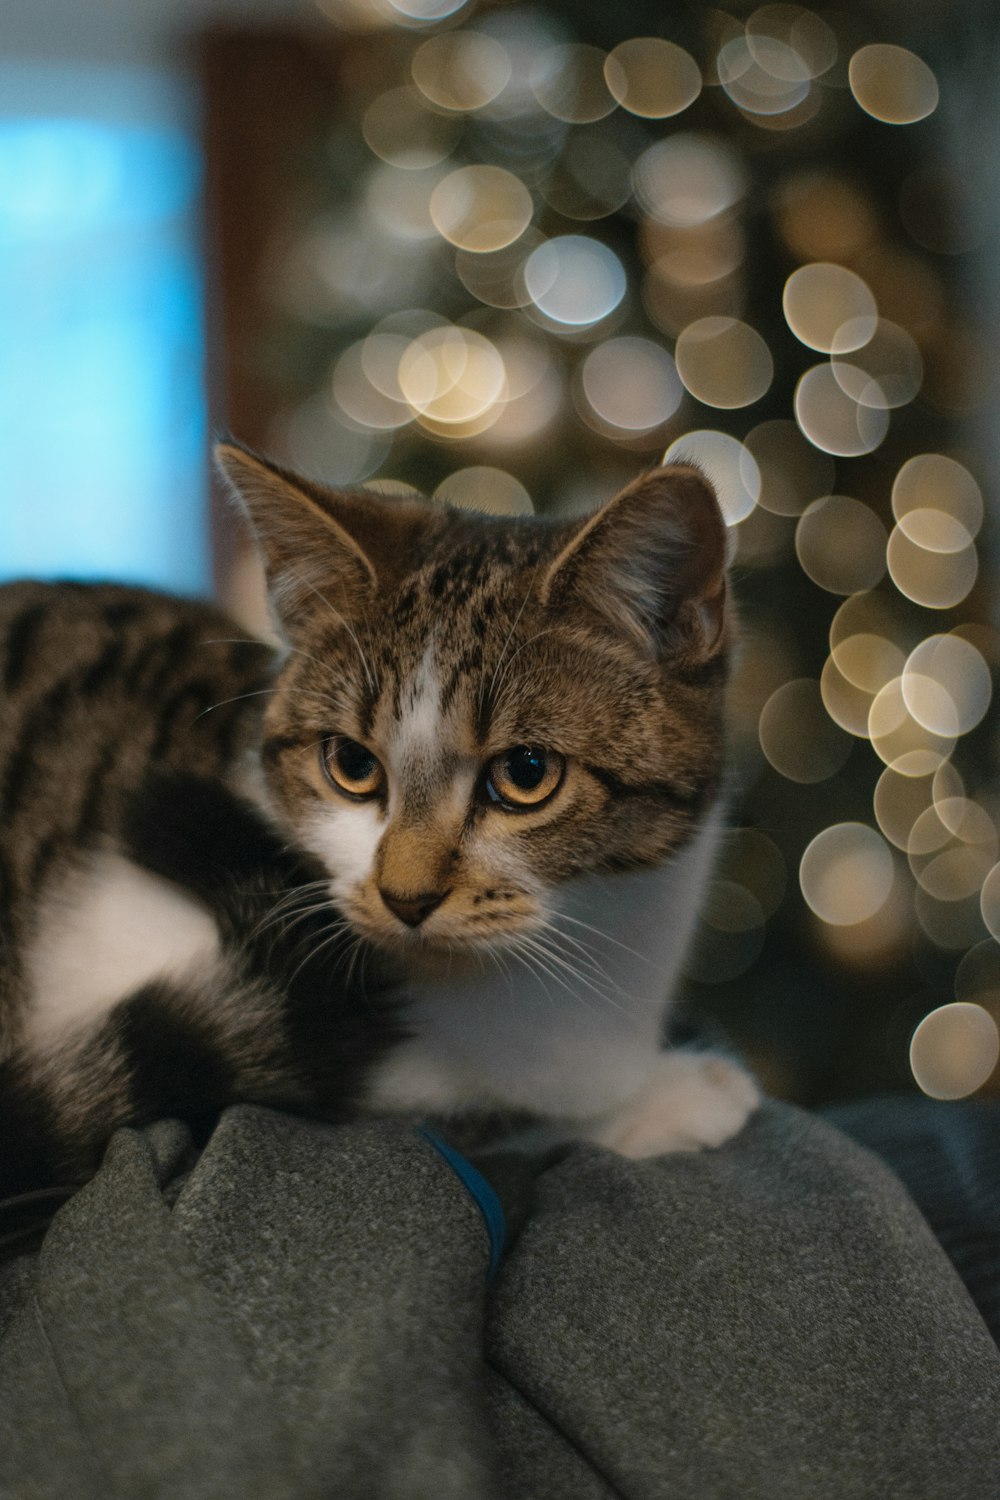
[652,562]
[306,533]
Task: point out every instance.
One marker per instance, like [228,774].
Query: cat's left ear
[315,542]
[652,562]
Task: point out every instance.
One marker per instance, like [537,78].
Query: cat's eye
[525,776]
[352,768]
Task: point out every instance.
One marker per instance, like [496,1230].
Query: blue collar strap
[482,1192]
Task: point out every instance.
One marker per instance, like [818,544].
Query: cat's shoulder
[115,604]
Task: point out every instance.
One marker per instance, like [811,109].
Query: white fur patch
[345,837]
[417,732]
[105,932]
[573,1028]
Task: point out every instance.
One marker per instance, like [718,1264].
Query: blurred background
[499,251]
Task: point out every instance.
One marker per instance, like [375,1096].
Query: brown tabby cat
[441,856]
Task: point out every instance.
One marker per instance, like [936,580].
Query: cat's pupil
[526,767]
[357,763]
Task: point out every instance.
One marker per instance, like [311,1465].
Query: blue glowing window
[102,419]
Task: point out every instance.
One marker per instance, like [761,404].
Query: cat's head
[474,710]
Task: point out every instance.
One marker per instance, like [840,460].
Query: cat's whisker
[510,636]
[288,903]
[582,953]
[561,916]
[498,690]
[224,702]
[346,625]
[284,922]
[552,955]
[335,931]
[534,971]
[551,965]
[371,647]
[582,950]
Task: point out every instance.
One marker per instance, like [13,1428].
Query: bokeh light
[884,369]
[824,216]
[685,180]
[793,470]
[724,362]
[399,200]
[425,10]
[990,902]
[900,739]
[841,544]
[460,70]
[900,800]
[652,77]
[798,737]
[630,384]
[452,379]
[834,420]
[484,488]
[932,481]
[947,684]
[732,934]
[496,278]
[481,208]
[574,280]
[568,82]
[954,1050]
[932,559]
[952,848]
[846,873]
[368,404]
[892,84]
[829,307]
[731,468]
[762,74]
[401,130]
[753,860]
[589,181]
[791,42]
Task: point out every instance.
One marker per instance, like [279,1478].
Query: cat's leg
[690,1100]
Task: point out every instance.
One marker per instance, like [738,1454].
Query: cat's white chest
[104,932]
[575,1034]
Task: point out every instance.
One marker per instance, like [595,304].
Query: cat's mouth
[441,938]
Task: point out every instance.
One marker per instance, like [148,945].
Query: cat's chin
[429,957]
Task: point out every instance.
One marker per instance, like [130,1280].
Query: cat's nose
[413,909]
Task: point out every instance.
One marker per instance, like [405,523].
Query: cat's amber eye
[525,776]
[351,768]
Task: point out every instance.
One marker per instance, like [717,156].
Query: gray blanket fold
[301,1311]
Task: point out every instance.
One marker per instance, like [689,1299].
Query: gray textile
[302,1312]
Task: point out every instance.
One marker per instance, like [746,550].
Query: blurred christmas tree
[534,250]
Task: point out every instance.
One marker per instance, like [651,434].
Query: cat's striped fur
[138,727]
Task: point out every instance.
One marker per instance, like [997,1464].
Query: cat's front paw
[691,1100]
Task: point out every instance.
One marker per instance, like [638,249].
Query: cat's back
[98,684]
